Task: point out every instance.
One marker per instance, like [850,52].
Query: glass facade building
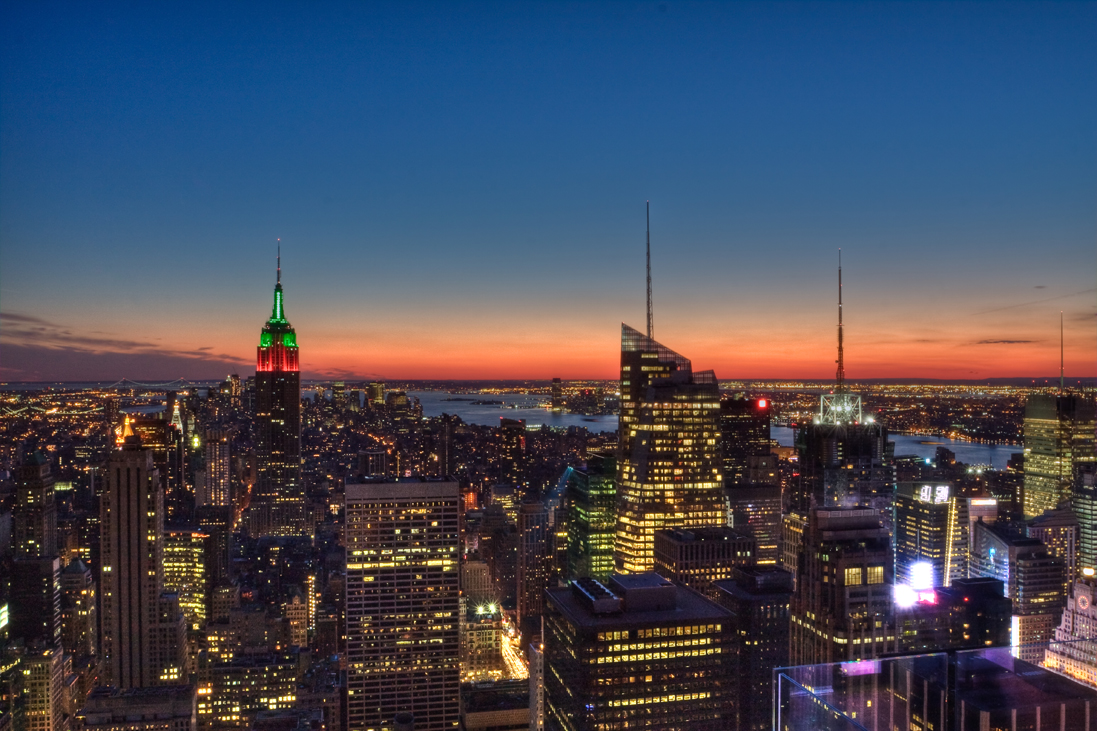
[668,468]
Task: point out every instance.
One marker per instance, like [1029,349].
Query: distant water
[995,455]
[514,406]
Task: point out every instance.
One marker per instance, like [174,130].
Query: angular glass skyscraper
[278,501]
[668,466]
[1058,434]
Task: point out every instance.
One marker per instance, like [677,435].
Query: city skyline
[459,192]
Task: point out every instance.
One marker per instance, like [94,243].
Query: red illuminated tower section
[278,500]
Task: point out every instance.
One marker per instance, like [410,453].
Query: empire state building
[278,501]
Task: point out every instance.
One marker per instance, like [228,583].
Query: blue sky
[459,188]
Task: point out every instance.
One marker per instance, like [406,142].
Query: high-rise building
[1058,530]
[668,467]
[699,556]
[218,452]
[842,606]
[1033,579]
[35,600]
[79,611]
[964,513]
[402,606]
[534,560]
[922,534]
[144,635]
[758,598]
[43,676]
[375,393]
[1084,503]
[476,584]
[217,522]
[638,651]
[278,502]
[482,638]
[512,449]
[744,433]
[756,510]
[1058,434]
[35,511]
[591,501]
[557,395]
[187,562]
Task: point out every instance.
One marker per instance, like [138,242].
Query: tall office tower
[402,605]
[216,522]
[970,614]
[1058,433]
[668,464]
[186,572]
[638,652]
[218,452]
[700,556]
[1075,650]
[79,611]
[278,503]
[842,607]
[507,498]
[512,449]
[1033,578]
[35,512]
[591,501]
[143,639]
[375,393]
[165,441]
[756,511]
[476,584]
[744,433]
[557,395]
[339,395]
[843,453]
[793,526]
[534,558]
[1058,530]
[35,600]
[964,513]
[922,531]
[43,678]
[1084,503]
[758,598]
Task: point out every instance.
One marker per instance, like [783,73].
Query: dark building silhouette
[744,433]
[699,556]
[758,598]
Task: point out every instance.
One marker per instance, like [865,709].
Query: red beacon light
[761,403]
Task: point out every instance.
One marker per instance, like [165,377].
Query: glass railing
[968,690]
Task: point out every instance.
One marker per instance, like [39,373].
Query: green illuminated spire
[278,314]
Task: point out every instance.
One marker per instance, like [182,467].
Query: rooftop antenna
[279,261]
[841,374]
[651,327]
[1061,362]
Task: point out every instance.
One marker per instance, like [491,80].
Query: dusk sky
[459,188]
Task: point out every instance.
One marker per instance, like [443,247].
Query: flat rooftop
[689,607]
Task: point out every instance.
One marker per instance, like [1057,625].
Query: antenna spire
[1061,361]
[651,326]
[841,374]
[279,261]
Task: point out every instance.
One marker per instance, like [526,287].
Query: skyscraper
[1058,434]
[278,504]
[922,534]
[1084,504]
[744,433]
[35,512]
[591,500]
[218,452]
[668,467]
[144,634]
[637,652]
[534,559]
[402,605]
[842,607]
